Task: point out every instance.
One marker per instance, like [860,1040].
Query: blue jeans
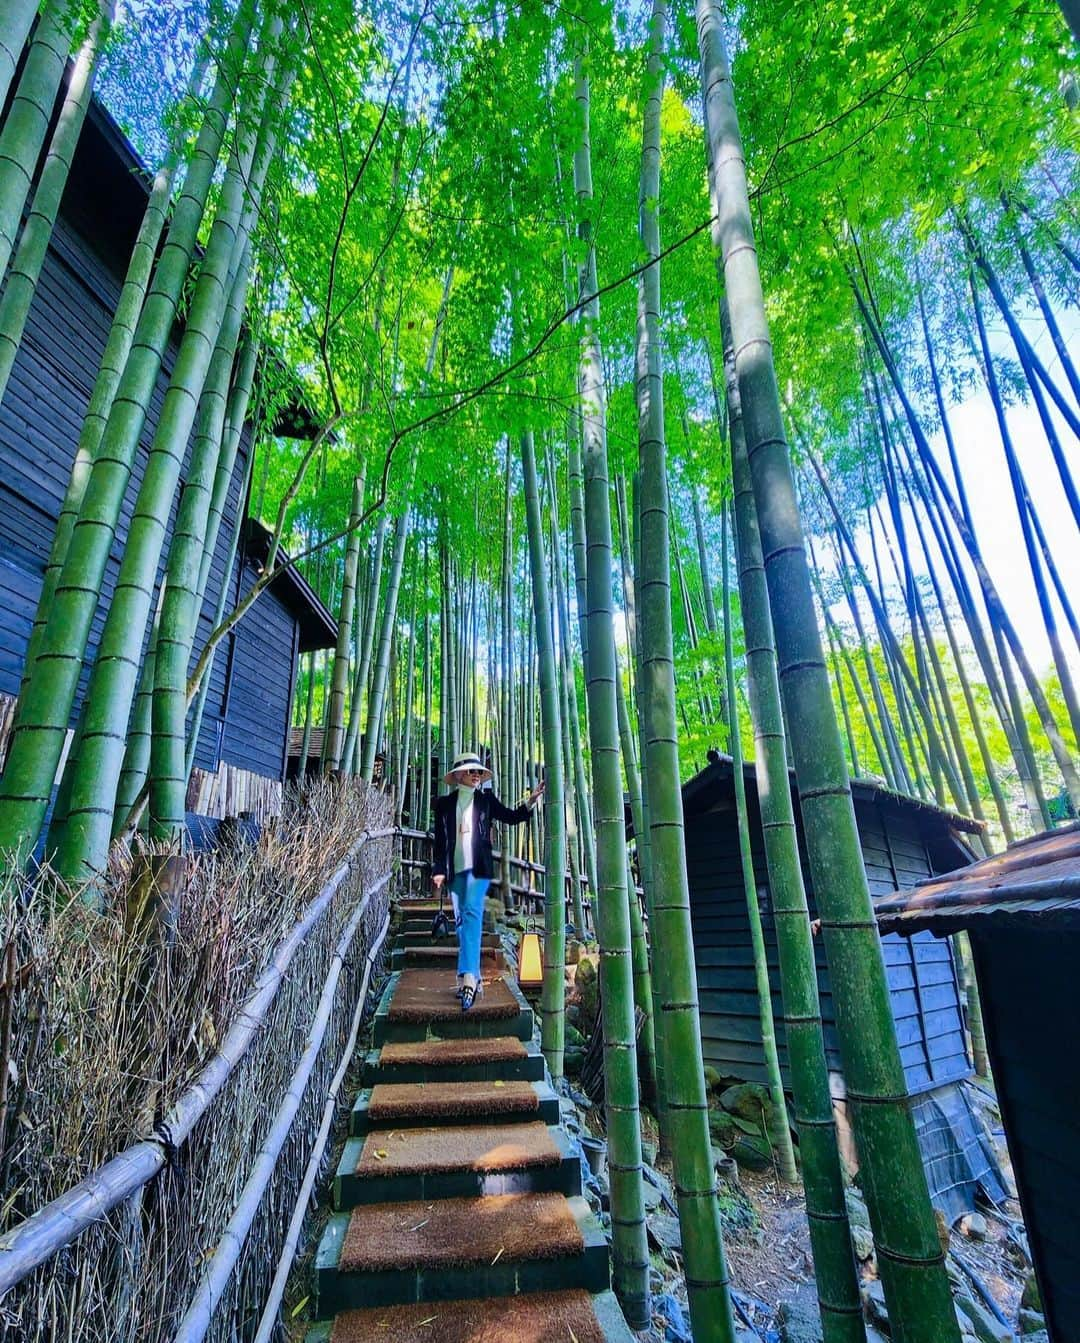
[470,892]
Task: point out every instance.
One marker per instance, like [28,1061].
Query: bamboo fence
[192,1226]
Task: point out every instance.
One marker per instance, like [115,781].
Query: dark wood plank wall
[922,977]
[260,694]
[1032,1009]
[40,419]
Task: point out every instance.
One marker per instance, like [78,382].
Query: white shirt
[463,843]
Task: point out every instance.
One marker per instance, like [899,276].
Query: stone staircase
[458,1209]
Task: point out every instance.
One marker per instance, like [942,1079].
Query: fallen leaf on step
[420,1224]
[430,1320]
[499,1083]
[497,1257]
[573,1336]
[381,1154]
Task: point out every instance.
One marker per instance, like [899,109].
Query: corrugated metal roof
[1035,879]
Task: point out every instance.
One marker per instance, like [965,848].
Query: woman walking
[463,820]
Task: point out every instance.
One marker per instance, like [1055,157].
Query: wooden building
[904,841]
[1021,910]
[242,747]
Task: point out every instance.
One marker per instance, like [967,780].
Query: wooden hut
[903,842]
[241,754]
[1021,910]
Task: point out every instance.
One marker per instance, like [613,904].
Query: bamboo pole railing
[200,1313]
[46,1232]
[268,1322]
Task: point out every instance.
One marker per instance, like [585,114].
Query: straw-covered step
[460,1232]
[421,1003]
[431,995]
[464,1162]
[440,956]
[497,1057]
[412,1105]
[539,1318]
[395,1253]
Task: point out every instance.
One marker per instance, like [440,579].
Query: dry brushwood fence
[164,1113]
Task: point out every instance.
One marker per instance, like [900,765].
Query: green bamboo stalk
[910,1258]
[785,1152]
[22,279]
[639,951]
[914,490]
[420,818]
[350,751]
[836,638]
[16,20]
[572,719]
[630,1255]
[336,720]
[684,1101]
[1002,626]
[826,1209]
[1024,509]
[553,998]
[113,359]
[48,692]
[27,121]
[112,681]
[180,610]
[393,582]
[838,690]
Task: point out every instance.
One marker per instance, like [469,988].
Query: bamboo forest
[539,671]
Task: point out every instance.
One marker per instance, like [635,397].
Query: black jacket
[486,808]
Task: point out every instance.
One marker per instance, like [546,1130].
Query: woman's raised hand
[536,794]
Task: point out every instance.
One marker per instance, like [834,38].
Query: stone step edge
[605,1307]
[530,1068]
[403,1286]
[563,1178]
[461,1027]
[547,1113]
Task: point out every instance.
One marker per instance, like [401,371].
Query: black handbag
[440,924]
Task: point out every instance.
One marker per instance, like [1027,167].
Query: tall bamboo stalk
[401,536]
[553,1000]
[336,719]
[16,20]
[909,1252]
[785,1152]
[350,751]
[812,1110]
[23,131]
[630,1268]
[22,279]
[1000,621]
[684,1099]
[48,691]
[180,609]
[84,847]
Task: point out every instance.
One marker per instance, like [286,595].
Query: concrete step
[455,1322]
[486,1161]
[440,1272]
[452,1103]
[443,1018]
[527,1066]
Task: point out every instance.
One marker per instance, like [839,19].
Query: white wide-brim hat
[470,760]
